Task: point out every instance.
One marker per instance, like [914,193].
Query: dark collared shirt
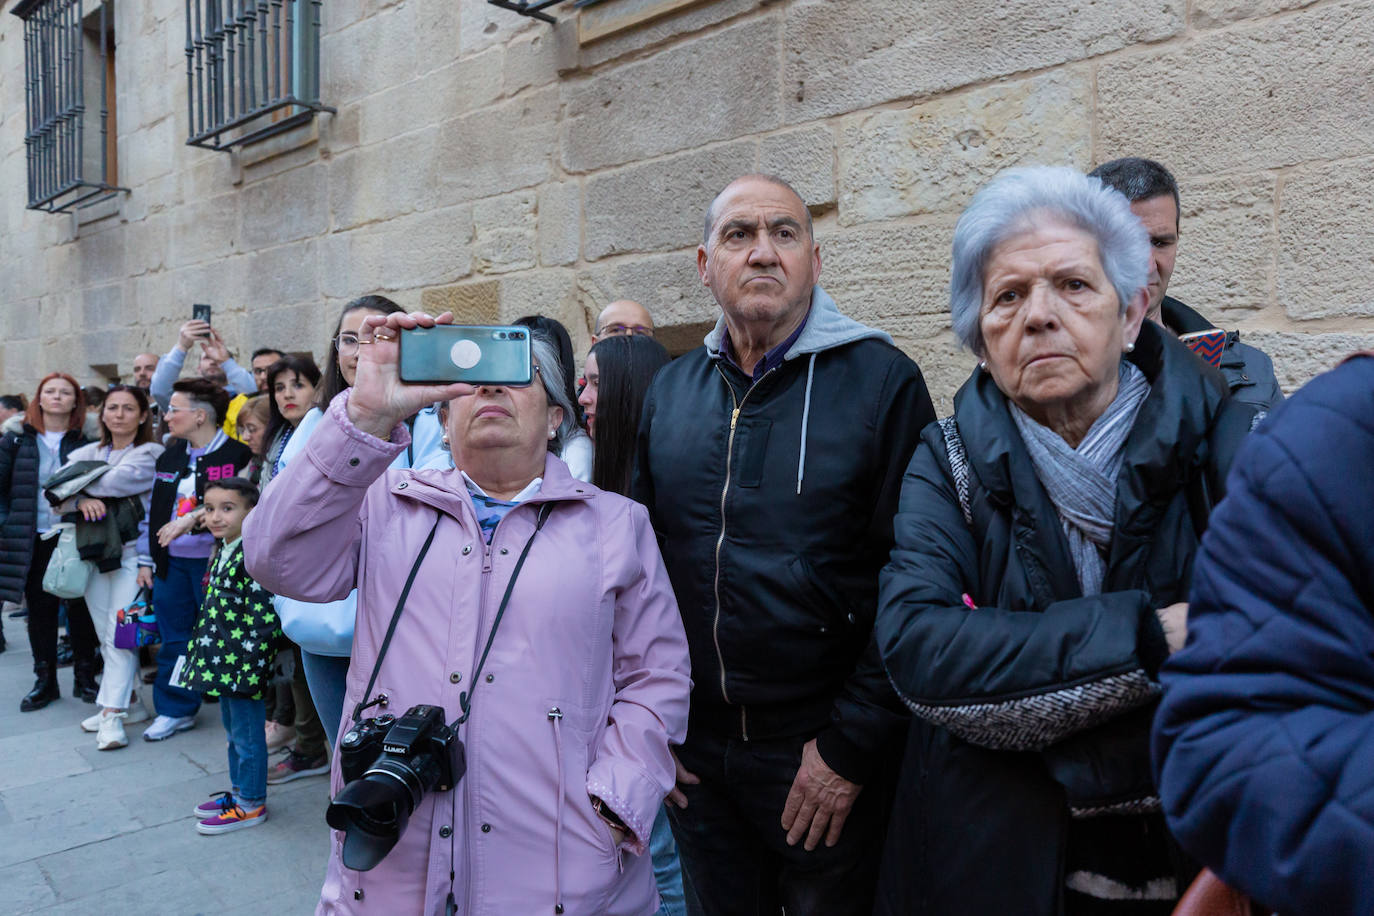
[773,358]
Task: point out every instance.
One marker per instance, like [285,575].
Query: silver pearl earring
[1130,347]
[552,433]
[982,364]
[444,439]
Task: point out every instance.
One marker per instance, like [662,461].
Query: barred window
[69,92]
[252,69]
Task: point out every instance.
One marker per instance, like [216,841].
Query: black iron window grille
[69,143]
[252,69]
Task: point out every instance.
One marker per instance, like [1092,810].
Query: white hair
[1016,201]
[545,353]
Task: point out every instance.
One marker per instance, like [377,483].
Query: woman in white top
[126,444]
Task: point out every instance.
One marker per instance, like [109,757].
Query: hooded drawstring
[556,717]
[806,417]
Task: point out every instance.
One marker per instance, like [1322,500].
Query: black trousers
[43,614]
[734,851]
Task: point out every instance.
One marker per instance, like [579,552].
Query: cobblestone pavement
[87,831]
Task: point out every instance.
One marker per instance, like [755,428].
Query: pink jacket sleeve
[633,769]
[302,540]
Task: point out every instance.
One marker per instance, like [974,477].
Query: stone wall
[502,166]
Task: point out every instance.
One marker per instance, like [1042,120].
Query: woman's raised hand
[380,399]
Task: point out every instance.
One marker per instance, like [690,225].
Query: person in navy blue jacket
[1264,743]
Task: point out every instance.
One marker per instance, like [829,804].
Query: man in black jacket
[1153,194]
[771,461]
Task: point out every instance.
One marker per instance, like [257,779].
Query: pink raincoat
[586,684]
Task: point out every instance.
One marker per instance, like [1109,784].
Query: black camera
[388,765]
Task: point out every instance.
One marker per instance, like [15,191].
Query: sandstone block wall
[500,166]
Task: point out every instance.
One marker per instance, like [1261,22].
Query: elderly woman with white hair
[1044,545]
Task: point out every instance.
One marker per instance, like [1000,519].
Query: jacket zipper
[720,541]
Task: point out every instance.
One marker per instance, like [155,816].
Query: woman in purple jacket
[566,701]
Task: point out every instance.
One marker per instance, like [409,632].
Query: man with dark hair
[770,461]
[1153,194]
[10,405]
[261,361]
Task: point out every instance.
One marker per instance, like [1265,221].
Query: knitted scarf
[1081,482]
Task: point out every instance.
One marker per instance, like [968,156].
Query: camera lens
[517,335]
[500,335]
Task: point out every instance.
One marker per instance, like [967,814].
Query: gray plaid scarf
[1082,482]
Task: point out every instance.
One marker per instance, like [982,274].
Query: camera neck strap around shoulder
[464,698]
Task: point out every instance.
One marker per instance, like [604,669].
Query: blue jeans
[245,724]
[327,676]
[667,871]
[176,601]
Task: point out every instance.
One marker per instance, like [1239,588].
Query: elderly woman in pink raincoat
[531,609]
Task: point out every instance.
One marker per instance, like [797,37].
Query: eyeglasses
[624,330]
[346,344]
[172,408]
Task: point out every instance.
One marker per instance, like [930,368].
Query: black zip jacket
[19,495]
[229,459]
[1032,709]
[773,503]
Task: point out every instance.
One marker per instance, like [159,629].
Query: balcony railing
[252,69]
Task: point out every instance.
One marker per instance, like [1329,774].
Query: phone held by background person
[201,312]
[476,354]
[1206,344]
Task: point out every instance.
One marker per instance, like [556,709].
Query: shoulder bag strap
[958,465]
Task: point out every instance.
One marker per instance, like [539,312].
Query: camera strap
[465,698]
[395,619]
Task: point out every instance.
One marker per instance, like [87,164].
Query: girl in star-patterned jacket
[231,655]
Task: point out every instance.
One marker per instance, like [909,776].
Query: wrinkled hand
[214,347]
[379,399]
[145,577]
[819,802]
[684,778]
[175,529]
[1174,620]
[192,331]
[91,509]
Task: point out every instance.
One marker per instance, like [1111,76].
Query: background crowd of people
[749,630]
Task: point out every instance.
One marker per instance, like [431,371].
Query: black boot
[64,651]
[44,688]
[84,687]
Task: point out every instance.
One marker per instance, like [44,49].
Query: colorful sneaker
[164,727]
[279,735]
[297,766]
[219,802]
[232,818]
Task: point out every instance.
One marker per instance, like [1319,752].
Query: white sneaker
[111,733]
[135,713]
[164,727]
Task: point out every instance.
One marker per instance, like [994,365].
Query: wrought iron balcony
[252,69]
[69,98]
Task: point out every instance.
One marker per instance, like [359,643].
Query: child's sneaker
[232,818]
[219,801]
[296,766]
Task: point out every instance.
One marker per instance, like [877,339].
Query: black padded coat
[19,495]
[1033,708]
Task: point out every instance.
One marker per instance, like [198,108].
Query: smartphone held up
[474,354]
